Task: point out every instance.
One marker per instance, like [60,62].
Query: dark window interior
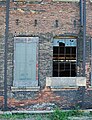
[64,60]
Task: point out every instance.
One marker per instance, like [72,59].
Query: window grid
[64,60]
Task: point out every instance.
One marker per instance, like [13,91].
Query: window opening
[64,58]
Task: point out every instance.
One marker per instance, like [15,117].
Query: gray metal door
[25,60]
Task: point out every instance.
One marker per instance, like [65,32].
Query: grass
[24,116]
[56,115]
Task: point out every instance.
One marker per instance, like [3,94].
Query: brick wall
[1,61]
[22,22]
[45,58]
[45,14]
[50,100]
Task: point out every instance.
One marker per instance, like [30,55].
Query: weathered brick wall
[1,62]
[50,100]
[45,58]
[10,60]
[22,22]
[45,14]
[9,63]
[88,60]
[88,18]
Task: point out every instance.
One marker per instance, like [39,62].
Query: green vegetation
[63,115]
[56,115]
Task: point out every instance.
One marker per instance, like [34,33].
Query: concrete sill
[36,88]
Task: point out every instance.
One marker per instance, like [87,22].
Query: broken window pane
[64,58]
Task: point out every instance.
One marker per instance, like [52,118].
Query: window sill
[14,89]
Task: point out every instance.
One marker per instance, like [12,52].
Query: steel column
[84,36]
[5,54]
[81,12]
